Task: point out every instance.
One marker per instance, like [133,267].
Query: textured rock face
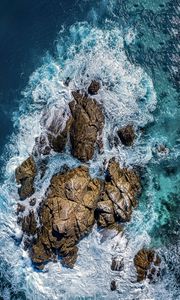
[94,87]
[66,215]
[86,126]
[25,175]
[127,135]
[118,196]
[147,264]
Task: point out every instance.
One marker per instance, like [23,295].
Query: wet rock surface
[86,127]
[147,264]
[118,196]
[127,135]
[25,175]
[66,215]
[94,87]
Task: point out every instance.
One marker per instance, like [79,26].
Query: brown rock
[66,215]
[94,87]
[118,197]
[127,135]
[29,225]
[147,264]
[86,126]
[20,208]
[25,175]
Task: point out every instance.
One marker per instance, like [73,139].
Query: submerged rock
[118,196]
[147,264]
[66,215]
[94,87]
[25,175]
[86,127]
[56,124]
[127,135]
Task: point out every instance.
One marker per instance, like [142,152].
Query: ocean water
[131,47]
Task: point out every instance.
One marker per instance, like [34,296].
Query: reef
[74,201]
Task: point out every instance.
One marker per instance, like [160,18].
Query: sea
[131,47]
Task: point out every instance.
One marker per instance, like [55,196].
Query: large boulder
[147,264]
[118,196]
[65,216]
[86,127]
[25,175]
[127,135]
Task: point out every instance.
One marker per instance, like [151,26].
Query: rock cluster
[147,264]
[73,200]
[118,196]
[84,126]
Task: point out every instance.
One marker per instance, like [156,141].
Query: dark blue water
[30,29]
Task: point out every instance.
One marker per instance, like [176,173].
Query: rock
[127,135]
[66,215]
[118,196]
[94,87]
[86,127]
[113,285]
[25,175]
[29,225]
[147,264]
[32,202]
[20,208]
[117,264]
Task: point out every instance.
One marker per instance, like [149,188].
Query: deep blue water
[30,29]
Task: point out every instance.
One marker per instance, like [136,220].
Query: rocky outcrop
[118,196]
[25,175]
[127,135]
[147,264]
[66,215]
[94,87]
[86,127]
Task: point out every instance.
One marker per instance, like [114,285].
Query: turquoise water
[132,48]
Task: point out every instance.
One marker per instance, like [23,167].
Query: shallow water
[132,48]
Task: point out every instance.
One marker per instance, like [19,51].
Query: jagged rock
[25,175]
[94,87]
[29,225]
[118,196]
[117,264]
[147,264]
[86,126]
[66,215]
[20,208]
[126,135]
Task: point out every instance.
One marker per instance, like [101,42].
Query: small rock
[117,264]
[94,87]
[147,264]
[32,202]
[126,135]
[113,285]
[20,208]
